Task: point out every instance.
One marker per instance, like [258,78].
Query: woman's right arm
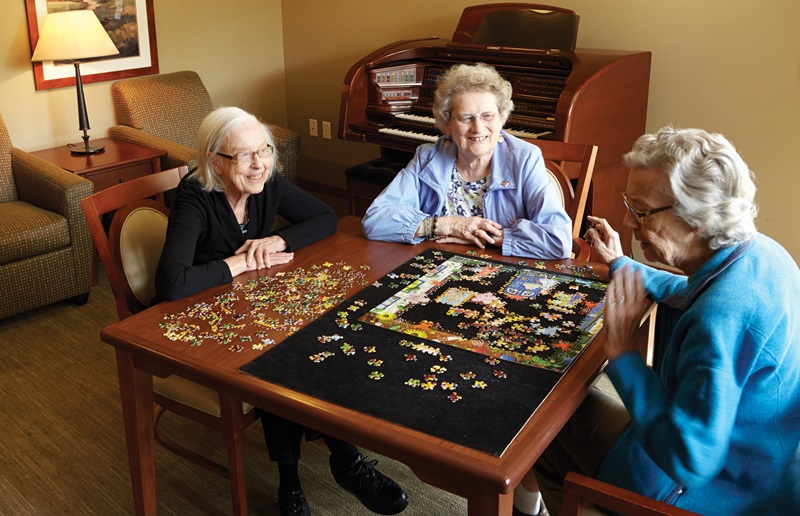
[395,215]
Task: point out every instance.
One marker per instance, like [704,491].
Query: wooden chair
[130,255]
[579,490]
[566,161]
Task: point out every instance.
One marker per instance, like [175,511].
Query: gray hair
[464,78]
[210,137]
[713,187]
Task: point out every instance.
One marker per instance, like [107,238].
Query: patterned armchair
[164,112]
[45,244]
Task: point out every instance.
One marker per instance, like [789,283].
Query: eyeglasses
[642,214]
[246,157]
[468,120]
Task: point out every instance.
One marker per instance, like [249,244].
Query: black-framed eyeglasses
[247,157]
[642,214]
[468,120]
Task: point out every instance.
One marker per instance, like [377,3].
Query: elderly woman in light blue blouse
[477,184]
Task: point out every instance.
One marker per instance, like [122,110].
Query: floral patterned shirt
[465,198]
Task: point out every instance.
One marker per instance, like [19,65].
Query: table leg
[490,503]
[136,393]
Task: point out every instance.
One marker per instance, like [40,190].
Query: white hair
[464,78]
[211,135]
[713,187]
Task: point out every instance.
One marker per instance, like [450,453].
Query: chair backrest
[137,237]
[154,103]
[131,249]
[561,161]
[8,188]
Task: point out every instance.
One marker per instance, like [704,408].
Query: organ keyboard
[431,134]
[585,96]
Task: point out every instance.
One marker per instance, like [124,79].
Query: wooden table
[485,480]
[119,162]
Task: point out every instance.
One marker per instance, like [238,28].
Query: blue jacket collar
[445,152]
[713,267]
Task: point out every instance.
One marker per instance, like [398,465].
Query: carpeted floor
[62,450]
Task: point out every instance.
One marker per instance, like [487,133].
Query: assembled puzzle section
[524,315]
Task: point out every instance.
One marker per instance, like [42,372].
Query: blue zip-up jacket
[520,198]
[715,425]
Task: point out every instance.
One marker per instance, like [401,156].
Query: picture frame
[139,55]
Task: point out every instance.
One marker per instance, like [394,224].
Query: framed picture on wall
[131,26]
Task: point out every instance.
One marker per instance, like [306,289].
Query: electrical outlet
[326,130]
[312,127]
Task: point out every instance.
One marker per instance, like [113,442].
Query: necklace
[243,225]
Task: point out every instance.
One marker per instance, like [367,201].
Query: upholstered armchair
[45,244]
[164,112]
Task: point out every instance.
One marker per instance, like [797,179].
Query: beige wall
[726,65]
[239,57]
[730,66]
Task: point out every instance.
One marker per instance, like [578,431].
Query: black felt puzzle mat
[477,400]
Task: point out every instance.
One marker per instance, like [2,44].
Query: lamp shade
[72,35]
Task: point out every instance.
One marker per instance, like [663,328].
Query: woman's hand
[626,304]
[469,230]
[603,239]
[259,254]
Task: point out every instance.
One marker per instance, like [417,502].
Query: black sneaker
[376,491]
[293,504]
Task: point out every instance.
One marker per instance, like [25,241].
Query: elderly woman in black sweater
[220,227]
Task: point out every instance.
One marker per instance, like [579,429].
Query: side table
[119,162]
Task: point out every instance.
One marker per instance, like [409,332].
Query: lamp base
[81,150]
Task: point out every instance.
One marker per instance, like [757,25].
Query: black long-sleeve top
[203,231]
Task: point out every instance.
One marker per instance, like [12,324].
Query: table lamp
[72,36]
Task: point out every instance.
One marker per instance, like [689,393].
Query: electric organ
[559,92]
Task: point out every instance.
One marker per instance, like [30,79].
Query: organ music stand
[528,26]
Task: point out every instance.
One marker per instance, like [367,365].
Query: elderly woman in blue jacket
[477,184]
[714,426]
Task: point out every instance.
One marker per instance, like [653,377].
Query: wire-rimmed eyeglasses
[639,215]
[469,119]
[246,157]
